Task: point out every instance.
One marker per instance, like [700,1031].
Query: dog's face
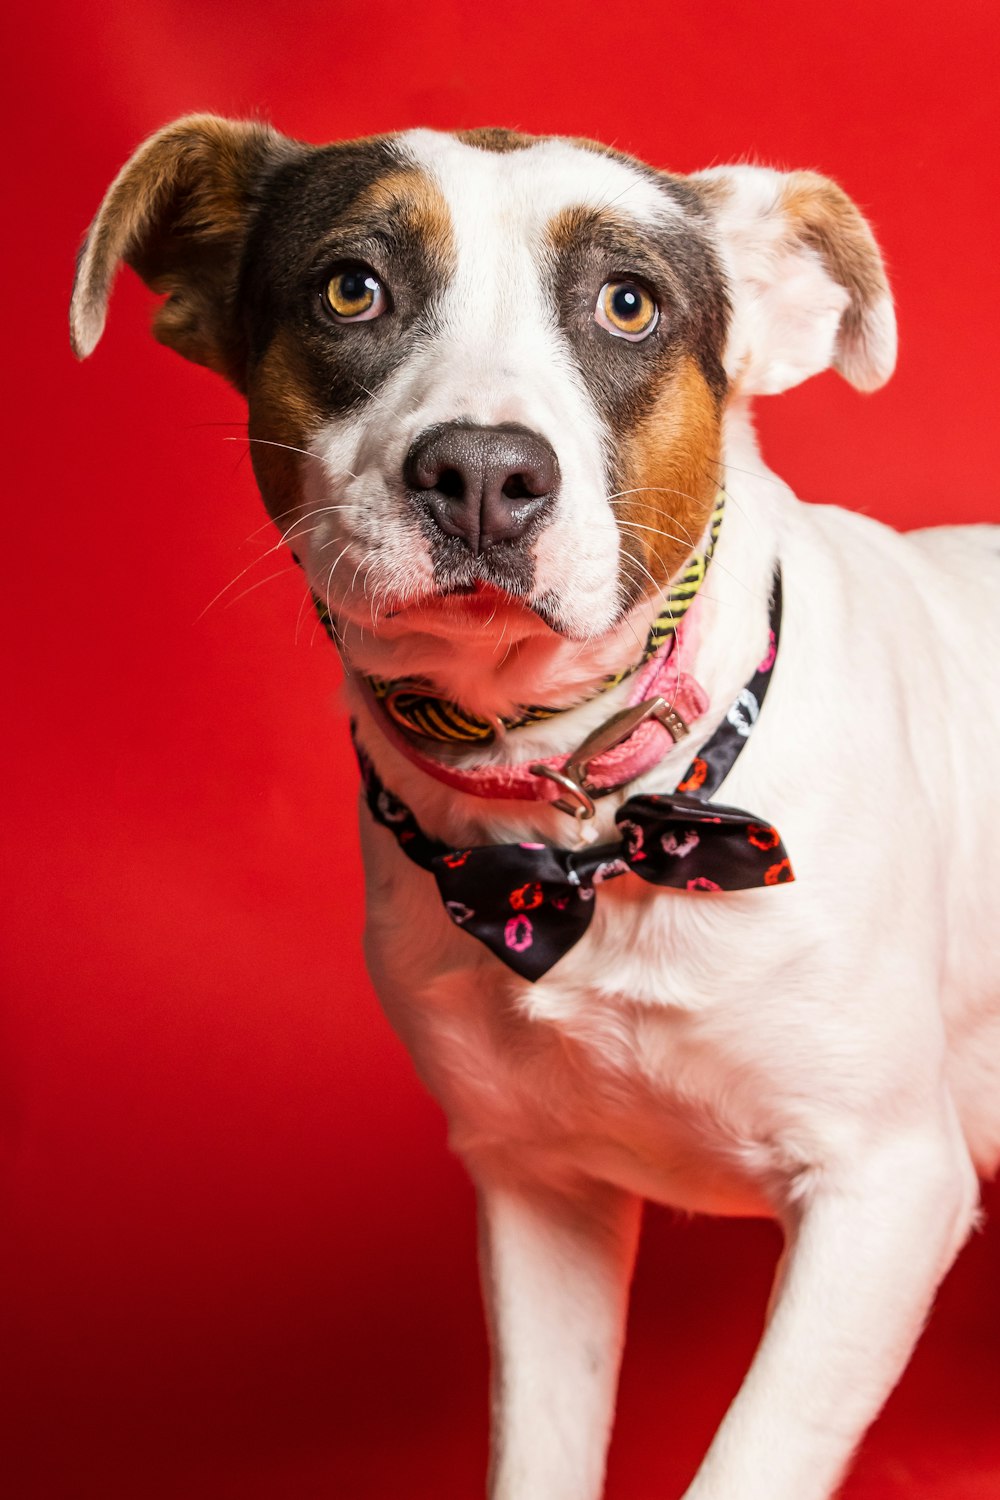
[485,370]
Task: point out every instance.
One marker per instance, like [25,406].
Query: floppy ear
[808,285]
[178,213]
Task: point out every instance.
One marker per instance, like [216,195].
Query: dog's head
[485,366]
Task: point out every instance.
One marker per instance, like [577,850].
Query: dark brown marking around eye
[661,399]
[305,369]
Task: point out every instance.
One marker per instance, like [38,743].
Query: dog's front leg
[867,1248]
[556,1268]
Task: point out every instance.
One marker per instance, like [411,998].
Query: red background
[238,1261]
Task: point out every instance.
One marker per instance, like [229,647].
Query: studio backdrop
[237,1258]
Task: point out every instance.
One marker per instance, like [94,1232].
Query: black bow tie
[530,903]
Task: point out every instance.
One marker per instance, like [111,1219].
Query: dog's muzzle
[483,485]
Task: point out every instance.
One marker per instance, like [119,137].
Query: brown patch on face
[822,216]
[566,227]
[667,467]
[416,206]
[283,416]
[494,138]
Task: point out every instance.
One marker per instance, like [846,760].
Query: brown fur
[565,227]
[669,459]
[282,412]
[495,138]
[821,215]
[414,202]
[177,214]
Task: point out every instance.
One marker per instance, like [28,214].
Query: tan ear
[178,213]
[808,284]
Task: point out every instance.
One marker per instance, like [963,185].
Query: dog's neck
[510,660]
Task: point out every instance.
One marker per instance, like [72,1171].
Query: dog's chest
[631,1062]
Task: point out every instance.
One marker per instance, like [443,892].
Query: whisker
[244,571]
[638,525]
[381,401]
[307,599]
[721,463]
[329,601]
[270,443]
[259,585]
[318,510]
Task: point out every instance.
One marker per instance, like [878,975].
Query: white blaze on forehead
[529,186]
[498,353]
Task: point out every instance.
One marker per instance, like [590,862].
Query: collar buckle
[607,736]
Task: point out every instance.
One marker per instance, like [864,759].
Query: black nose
[483,484]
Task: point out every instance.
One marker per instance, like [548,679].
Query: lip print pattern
[695,778]
[458,911]
[763,836]
[392,810]
[780,873]
[633,836]
[518,934]
[772,650]
[680,844]
[743,713]
[526,897]
[702,883]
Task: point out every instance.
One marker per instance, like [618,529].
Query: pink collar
[661,706]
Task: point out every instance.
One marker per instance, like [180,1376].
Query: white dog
[499,393]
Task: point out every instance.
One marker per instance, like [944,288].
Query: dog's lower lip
[466,595]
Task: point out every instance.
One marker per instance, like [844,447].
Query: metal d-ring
[606,737]
[585,808]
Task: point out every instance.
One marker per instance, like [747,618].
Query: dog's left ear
[807,281]
[178,213]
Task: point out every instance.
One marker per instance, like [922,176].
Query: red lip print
[456,858]
[695,778]
[526,897]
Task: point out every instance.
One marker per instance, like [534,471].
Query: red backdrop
[238,1261]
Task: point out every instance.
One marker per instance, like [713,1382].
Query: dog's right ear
[178,213]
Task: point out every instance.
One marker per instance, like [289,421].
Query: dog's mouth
[477,605]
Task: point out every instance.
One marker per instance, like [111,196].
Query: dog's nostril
[450,484]
[518,488]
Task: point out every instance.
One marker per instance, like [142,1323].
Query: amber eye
[355,294]
[626,309]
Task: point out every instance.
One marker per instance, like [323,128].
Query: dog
[499,394]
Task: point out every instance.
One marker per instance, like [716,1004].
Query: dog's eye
[355,295]
[626,309]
